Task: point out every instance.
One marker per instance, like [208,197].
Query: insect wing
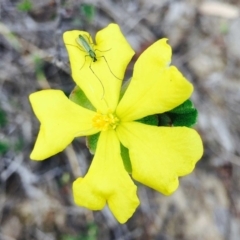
[83,42]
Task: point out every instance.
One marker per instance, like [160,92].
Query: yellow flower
[159,155]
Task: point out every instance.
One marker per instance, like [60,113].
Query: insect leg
[103,51]
[110,68]
[78,47]
[84,61]
[90,66]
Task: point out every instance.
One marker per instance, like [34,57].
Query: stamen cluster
[105,121]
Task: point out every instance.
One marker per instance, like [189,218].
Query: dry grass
[35,197]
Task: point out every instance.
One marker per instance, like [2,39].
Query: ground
[35,197]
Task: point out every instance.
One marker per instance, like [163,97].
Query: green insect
[84,45]
[84,42]
[81,40]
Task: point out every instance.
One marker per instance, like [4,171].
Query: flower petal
[155,87]
[107,181]
[159,155]
[118,52]
[61,121]
[100,80]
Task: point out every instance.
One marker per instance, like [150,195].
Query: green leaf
[183,115]
[92,141]
[78,96]
[126,159]
[88,11]
[38,64]
[91,234]
[65,179]
[187,119]
[3,148]
[149,120]
[164,120]
[92,231]
[185,107]
[25,6]
[3,118]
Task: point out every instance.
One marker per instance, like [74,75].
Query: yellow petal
[61,121]
[100,80]
[159,155]
[155,87]
[107,181]
[118,52]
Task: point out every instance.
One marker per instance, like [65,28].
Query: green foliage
[224,26]
[164,120]
[25,6]
[149,120]
[183,115]
[38,64]
[3,118]
[19,145]
[88,11]
[65,179]
[92,231]
[92,142]
[78,96]
[126,159]
[185,107]
[3,148]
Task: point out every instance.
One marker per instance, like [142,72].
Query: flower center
[105,121]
